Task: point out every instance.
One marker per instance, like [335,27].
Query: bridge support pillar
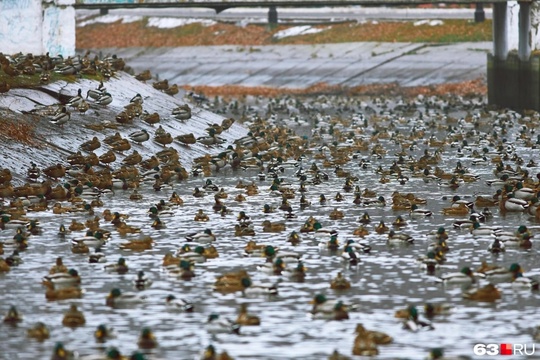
[36,26]
[272,15]
[513,76]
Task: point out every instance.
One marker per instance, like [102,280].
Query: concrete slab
[299,66]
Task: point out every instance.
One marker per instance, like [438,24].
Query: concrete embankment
[47,144]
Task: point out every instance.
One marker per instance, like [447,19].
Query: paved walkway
[300,66]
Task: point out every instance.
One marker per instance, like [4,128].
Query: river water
[386,280]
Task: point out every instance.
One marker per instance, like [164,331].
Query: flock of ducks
[287,175]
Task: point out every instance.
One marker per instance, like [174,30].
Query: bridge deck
[216,4]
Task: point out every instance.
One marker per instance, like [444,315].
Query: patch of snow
[298,30]
[428,22]
[169,22]
[108,19]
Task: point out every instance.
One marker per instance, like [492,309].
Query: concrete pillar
[479,14]
[59,27]
[36,26]
[524,47]
[500,31]
[272,15]
[512,27]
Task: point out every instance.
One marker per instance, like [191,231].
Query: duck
[210,353]
[203,237]
[399,238]
[246,319]
[399,222]
[179,303]
[268,226]
[216,324]
[72,292]
[147,340]
[336,214]
[487,293]
[464,277]
[381,228]
[417,212]
[73,317]
[12,317]
[39,331]
[62,280]
[521,282]
[182,112]
[340,282]
[61,118]
[186,139]
[339,312]
[501,274]
[139,136]
[118,299]
[142,281]
[431,310]
[413,323]
[119,267]
[378,337]
[102,334]
[183,271]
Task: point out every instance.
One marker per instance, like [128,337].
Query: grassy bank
[137,34]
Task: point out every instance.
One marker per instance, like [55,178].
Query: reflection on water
[385,280]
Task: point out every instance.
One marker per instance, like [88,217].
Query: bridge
[40,26]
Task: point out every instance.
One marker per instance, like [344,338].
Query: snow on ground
[169,22]
[428,22]
[108,19]
[298,30]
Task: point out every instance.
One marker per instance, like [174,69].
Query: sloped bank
[30,138]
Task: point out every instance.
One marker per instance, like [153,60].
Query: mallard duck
[413,323]
[12,317]
[182,112]
[62,279]
[274,267]
[179,304]
[142,281]
[417,212]
[210,353]
[381,228]
[339,312]
[432,310]
[61,118]
[399,222]
[73,317]
[464,277]
[294,238]
[365,347]
[183,270]
[102,334]
[268,226]
[63,293]
[39,331]
[216,324]
[321,304]
[488,293]
[501,274]
[119,267]
[350,255]
[202,237]
[147,340]
[399,238]
[336,214]
[378,337]
[186,139]
[340,283]
[245,319]
[139,136]
[521,282]
[118,299]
